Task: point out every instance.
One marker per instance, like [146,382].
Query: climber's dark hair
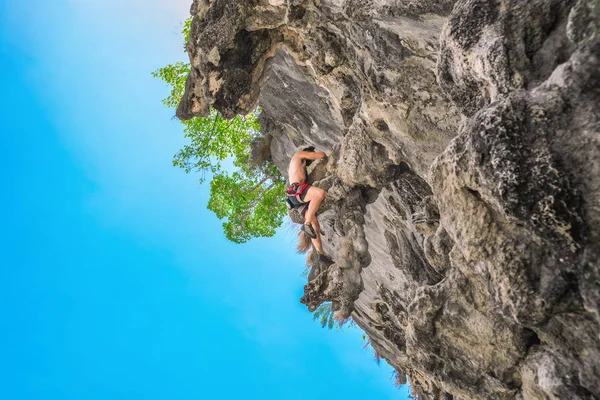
[310,149]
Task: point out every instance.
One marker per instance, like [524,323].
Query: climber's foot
[325,261]
[309,231]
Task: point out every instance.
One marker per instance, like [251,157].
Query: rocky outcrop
[463,207]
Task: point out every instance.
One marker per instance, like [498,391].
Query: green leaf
[187,26]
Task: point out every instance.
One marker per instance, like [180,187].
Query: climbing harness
[295,192]
[296,207]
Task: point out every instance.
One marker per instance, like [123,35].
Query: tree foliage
[175,76]
[185,31]
[324,314]
[330,319]
[249,197]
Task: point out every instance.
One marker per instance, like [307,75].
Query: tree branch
[260,184]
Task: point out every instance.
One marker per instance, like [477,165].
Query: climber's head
[310,149]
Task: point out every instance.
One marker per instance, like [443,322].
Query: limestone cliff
[463,207]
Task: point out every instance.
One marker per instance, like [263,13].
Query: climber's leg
[317,241]
[314,196]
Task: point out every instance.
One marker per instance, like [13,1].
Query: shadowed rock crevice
[462,178]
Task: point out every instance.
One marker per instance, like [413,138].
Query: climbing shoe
[309,231]
[325,261]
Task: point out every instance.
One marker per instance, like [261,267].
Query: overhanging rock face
[463,207]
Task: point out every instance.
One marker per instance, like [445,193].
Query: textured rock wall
[463,207]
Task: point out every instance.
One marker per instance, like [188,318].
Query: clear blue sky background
[115,281]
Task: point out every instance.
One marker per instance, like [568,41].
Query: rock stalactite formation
[463,207]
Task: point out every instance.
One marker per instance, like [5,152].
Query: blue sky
[115,281]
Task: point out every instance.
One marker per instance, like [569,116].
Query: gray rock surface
[463,177]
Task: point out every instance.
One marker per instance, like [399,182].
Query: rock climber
[308,198]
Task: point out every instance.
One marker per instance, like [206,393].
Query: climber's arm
[310,155]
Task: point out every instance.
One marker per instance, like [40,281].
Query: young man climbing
[309,198]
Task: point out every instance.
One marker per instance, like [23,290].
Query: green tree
[249,196]
[251,211]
